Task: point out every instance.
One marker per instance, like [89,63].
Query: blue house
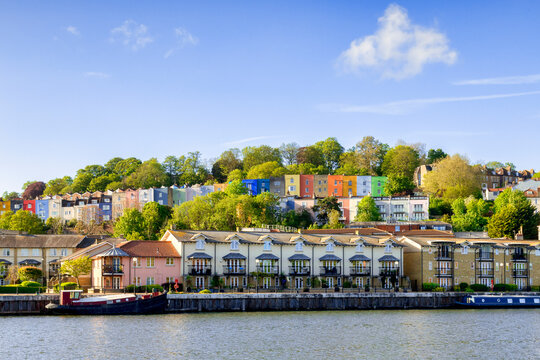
[264,185]
[252,185]
[105,207]
[161,195]
[42,209]
[16,205]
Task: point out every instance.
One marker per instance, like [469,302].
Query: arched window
[200,244]
[299,246]
[388,248]
[330,247]
[267,245]
[360,247]
[234,244]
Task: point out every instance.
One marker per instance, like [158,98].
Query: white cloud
[404,106]
[504,80]
[183,38]
[73,30]
[97,74]
[398,49]
[132,35]
[247,140]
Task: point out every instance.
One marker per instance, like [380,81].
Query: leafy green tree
[236,187]
[149,174]
[469,214]
[195,215]
[333,220]
[439,207]
[398,184]
[173,167]
[435,155]
[193,171]
[126,167]
[110,166]
[311,155]
[77,267]
[24,220]
[255,155]
[494,164]
[115,185]
[400,161]
[367,210]
[101,183]
[55,224]
[301,219]
[56,186]
[81,182]
[289,153]
[266,170]
[130,225]
[535,176]
[371,153]
[306,169]
[349,165]
[331,150]
[10,195]
[236,174]
[228,161]
[155,218]
[324,206]
[30,273]
[513,212]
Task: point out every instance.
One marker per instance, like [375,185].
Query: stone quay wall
[25,304]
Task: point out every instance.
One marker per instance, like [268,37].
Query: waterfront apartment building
[450,261]
[293,260]
[399,208]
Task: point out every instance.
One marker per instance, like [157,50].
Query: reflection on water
[442,334]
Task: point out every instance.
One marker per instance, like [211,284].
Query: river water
[426,334]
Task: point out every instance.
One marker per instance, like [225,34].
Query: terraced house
[275,260]
[449,261]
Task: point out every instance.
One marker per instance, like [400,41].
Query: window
[94,201]
[307,182]
[149,262]
[35,252]
[335,182]
[137,262]
[398,228]
[292,188]
[109,200]
[169,261]
[350,183]
[292,181]
[388,248]
[106,207]
[169,279]
[234,244]
[277,183]
[29,206]
[137,281]
[330,247]
[52,252]
[106,217]
[150,280]
[307,189]
[7,252]
[359,247]
[299,246]
[464,250]
[160,202]
[200,244]
[63,252]
[267,245]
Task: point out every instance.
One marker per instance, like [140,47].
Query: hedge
[17,289]
[205,291]
[479,287]
[429,286]
[504,287]
[30,284]
[144,288]
[69,285]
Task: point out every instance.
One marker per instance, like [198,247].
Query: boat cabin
[68,296]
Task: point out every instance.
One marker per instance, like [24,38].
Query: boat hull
[153,305]
[499,302]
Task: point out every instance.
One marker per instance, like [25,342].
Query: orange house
[306,185]
[349,185]
[335,185]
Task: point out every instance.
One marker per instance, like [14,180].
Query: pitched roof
[146,248]
[114,251]
[41,241]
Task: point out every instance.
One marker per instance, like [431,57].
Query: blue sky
[82,83]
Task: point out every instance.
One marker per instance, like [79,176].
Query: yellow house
[349,186]
[220,187]
[292,185]
[5,206]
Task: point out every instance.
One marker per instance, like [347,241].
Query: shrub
[463,286]
[439,289]
[205,291]
[504,287]
[27,273]
[69,285]
[366,288]
[144,288]
[479,287]
[429,286]
[347,284]
[30,284]
[14,289]
[469,290]
[316,283]
[535,288]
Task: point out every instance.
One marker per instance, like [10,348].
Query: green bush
[535,288]
[469,290]
[205,291]
[144,288]
[30,284]
[17,289]
[429,286]
[69,285]
[347,284]
[439,289]
[27,273]
[479,287]
[504,287]
[463,286]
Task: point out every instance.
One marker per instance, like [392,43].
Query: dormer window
[388,248]
[360,247]
[234,244]
[267,245]
[465,250]
[299,246]
[200,244]
[330,247]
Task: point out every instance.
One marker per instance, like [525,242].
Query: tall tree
[310,155]
[324,206]
[155,218]
[513,212]
[469,214]
[126,167]
[266,170]
[367,210]
[371,154]
[76,268]
[255,155]
[289,153]
[110,165]
[331,150]
[10,195]
[398,185]
[34,190]
[435,155]
[149,174]
[236,174]
[193,170]
[24,220]
[349,164]
[229,160]
[101,183]
[81,182]
[130,225]
[401,160]
[173,168]
[56,186]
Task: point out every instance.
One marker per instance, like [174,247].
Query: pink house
[132,199]
[136,262]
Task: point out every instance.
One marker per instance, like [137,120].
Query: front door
[199,282]
[267,282]
[234,282]
[116,283]
[359,282]
[330,282]
[116,264]
[299,282]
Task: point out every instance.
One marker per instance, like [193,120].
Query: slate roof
[330,257]
[149,248]
[388,258]
[41,241]
[199,255]
[267,256]
[359,258]
[231,256]
[114,252]
[299,257]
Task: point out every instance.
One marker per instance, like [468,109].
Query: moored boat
[500,301]
[71,303]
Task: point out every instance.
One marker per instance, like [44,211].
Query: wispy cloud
[247,140]
[96,74]
[73,30]
[404,106]
[504,80]
[398,49]
[132,35]
[183,38]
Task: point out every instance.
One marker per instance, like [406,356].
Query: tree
[130,225]
[400,161]
[333,220]
[398,185]
[34,190]
[513,212]
[435,155]
[173,167]
[30,273]
[349,164]
[10,195]
[367,210]
[55,224]
[228,161]
[81,182]
[452,178]
[266,170]
[126,167]
[27,183]
[101,183]
[324,206]
[469,214]
[310,155]
[371,154]
[193,215]
[236,174]
[5,220]
[193,171]
[155,217]
[255,155]
[55,186]
[301,219]
[110,165]
[26,221]
[331,150]
[236,187]
[289,153]
[76,268]
[149,174]
[494,164]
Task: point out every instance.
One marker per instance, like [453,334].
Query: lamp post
[257,275]
[135,275]
[396,263]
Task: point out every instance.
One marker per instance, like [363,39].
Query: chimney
[519,235]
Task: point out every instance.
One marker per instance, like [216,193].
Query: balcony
[519,258]
[484,272]
[520,273]
[443,256]
[268,270]
[444,272]
[389,272]
[484,256]
[234,270]
[299,270]
[112,269]
[360,271]
[200,269]
[330,271]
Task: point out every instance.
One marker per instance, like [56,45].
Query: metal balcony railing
[389,272]
[484,256]
[330,271]
[200,269]
[112,269]
[299,270]
[484,272]
[270,270]
[444,272]
[360,271]
[520,273]
[234,270]
[519,257]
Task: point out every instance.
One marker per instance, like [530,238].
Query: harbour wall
[25,304]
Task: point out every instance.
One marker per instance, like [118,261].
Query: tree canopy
[367,210]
